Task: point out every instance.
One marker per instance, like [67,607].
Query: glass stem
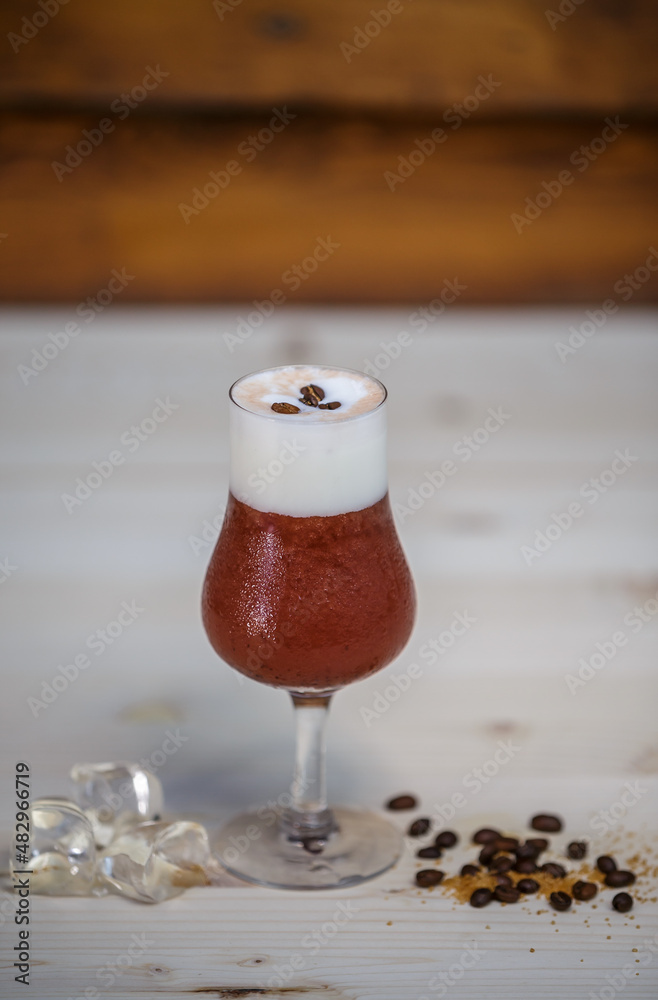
[308,816]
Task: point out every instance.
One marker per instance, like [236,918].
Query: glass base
[253,847]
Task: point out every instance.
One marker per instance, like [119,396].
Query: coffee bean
[622,902]
[506,843]
[429,852]
[577,850]
[470,870]
[428,877]
[402,802]
[481,897]
[526,852]
[552,868]
[502,864]
[419,827]
[506,894]
[606,864]
[285,408]
[546,823]
[503,880]
[617,879]
[446,839]
[539,843]
[525,867]
[487,854]
[312,391]
[560,900]
[584,890]
[484,835]
[527,885]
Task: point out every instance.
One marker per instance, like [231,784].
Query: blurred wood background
[364,90]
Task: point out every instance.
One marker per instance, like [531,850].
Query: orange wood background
[325,173]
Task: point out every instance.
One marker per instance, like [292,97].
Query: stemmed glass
[308,590]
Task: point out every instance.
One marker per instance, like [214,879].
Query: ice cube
[116,794]
[152,862]
[62,849]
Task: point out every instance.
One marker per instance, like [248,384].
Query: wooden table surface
[145,536]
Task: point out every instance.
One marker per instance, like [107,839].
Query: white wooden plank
[503,680]
[394,941]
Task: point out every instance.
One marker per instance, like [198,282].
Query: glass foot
[253,847]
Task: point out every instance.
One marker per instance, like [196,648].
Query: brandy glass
[308,589]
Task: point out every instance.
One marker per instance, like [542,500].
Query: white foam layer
[315,462]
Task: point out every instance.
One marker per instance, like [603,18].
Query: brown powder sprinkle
[507,871]
[462,886]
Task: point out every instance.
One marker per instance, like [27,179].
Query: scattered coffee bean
[428,877]
[527,885]
[446,839]
[487,854]
[502,854]
[539,843]
[526,852]
[470,870]
[560,900]
[584,890]
[502,864]
[419,827]
[617,879]
[485,835]
[546,823]
[506,843]
[429,852]
[285,408]
[402,802]
[481,897]
[329,406]
[506,894]
[552,868]
[622,902]
[577,850]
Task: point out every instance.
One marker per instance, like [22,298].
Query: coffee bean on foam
[320,461]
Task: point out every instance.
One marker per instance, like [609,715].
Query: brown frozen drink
[308,588]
